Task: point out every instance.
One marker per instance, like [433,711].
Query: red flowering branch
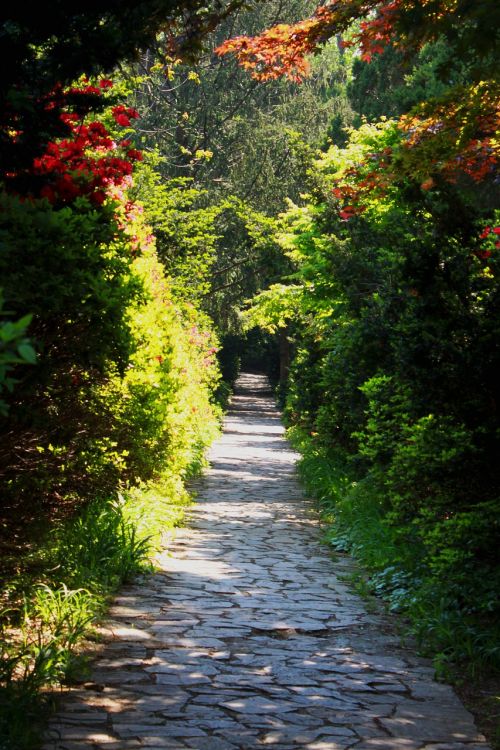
[378,32]
[459,134]
[409,24]
[123,115]
[87,162]
[282,50]
[454,138]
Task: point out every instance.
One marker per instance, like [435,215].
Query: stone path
[248,637]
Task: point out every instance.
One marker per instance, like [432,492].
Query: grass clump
[44,622]
[38,649]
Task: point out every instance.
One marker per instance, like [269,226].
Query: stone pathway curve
[248,636]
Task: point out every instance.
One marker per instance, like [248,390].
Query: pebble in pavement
[249,637]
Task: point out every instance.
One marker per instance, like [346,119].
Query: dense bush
[100,433]
[108,398]
[396,349]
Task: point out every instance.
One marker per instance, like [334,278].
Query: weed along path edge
[249,637]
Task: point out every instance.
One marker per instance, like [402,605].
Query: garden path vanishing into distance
[248,636]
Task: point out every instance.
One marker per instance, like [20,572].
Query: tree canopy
[451,135]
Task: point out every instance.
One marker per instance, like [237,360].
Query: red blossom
[87,162]
[48,192]
[98,197]
[123,115]
[122,120]
[97,129]
[86,91]
[69,118]
[83,165]
[134,154]
[347,213]
[67,188]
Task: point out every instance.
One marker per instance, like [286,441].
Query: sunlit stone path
[249,637]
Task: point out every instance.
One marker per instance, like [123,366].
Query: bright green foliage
[184,228]
[100,548]
[275,307]
[114,349]
[43,652]
[15,349]
[247,258]
[210,249]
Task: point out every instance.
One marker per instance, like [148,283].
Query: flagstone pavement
[249,636]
